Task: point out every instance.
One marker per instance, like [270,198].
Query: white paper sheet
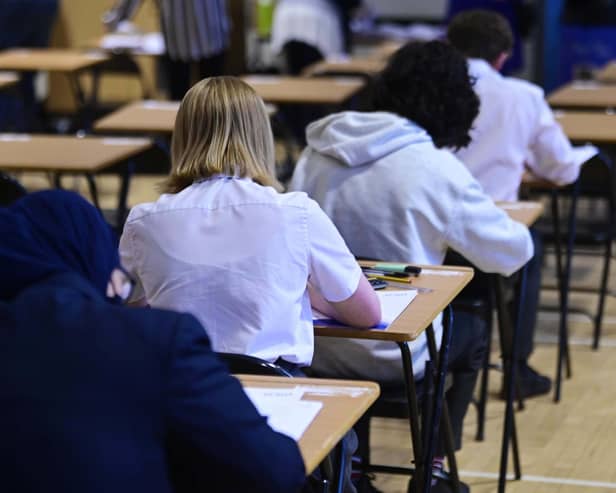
[392,303]
[284,410]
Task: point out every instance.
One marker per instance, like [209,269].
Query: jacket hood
[355,138]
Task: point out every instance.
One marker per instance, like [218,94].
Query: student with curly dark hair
[395,191]
[429,85]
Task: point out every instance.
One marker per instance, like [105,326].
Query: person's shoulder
[523,87]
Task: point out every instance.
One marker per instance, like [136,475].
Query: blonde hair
[222,127]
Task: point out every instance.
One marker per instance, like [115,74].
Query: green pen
[411,270]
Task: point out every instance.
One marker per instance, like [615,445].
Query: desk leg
[564,275]
[122,210]
[441,359]
[341,467]
[411,396]
[509,334]
[93,190]
[439,393]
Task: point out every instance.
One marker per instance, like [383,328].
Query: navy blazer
[101,398]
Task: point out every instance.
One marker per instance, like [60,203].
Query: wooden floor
[566,448]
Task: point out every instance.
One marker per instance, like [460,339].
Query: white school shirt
[394,196]
[238,255]
[515,128]
[314,22]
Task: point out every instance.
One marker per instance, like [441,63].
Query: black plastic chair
[244,364]
[10,190]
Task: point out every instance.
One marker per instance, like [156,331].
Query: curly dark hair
[428,83]
[480,33]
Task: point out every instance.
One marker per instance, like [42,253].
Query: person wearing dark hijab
[99,397]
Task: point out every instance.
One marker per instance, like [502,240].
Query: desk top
[60,153]
[608,73]
[141,117]
[150,117]
[8,79]
[55,60]
[588,126]
[584,95]
[387,48]
[353,65]
[525,212]
[304,90]
[344,402]
[438,286]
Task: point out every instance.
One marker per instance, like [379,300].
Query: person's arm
[551,155]
[122,10]
[207,408]
[337,286]
[351,311]
[128,252]
[483,232]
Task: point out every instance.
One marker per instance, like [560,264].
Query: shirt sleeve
[229,442]
[485,235]
[128,261]
[332,267]
[551,155]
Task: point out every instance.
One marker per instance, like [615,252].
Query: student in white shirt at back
[225,246]
[515,130]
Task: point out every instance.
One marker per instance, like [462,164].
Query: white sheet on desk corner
[392,303]
[286,413]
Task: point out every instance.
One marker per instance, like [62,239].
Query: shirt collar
[479,68]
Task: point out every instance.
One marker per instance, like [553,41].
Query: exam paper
[284,410]
[392,303]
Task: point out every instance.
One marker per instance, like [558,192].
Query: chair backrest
[10,190]
[241,363]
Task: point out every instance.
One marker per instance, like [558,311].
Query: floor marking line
[543,479]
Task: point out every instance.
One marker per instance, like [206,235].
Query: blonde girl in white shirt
[226,246]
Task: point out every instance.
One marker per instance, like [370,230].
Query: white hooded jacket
[394,196]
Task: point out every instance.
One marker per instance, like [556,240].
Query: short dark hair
[480,34]
[428,83]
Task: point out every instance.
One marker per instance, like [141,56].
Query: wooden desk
[584,95]
[66,154]
[146,117]
[8,79]
[33,60]
[525,212]
[304,90]
[439,285]
[344,402]
[387,48]
[588,126]
[607,74]
[353,65]
[141,117]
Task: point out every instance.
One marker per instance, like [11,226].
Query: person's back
[393,195]
[97,397]
[196,251]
